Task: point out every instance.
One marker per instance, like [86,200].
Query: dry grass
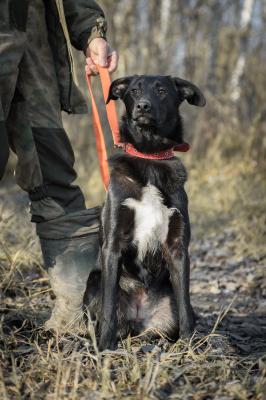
[35,364]
[230,195]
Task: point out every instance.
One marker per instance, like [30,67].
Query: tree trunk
[245,23]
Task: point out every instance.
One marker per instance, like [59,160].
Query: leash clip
[119,145]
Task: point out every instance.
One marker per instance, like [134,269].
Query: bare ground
[225,359]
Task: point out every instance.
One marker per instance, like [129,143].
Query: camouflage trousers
[31,125]
[30,116]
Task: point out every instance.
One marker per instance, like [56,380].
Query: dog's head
[152,121]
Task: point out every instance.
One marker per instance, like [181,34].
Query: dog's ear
[189,92]
[118,88]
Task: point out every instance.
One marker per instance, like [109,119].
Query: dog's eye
[161,91]
[135,92]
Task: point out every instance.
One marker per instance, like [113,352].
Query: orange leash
[97,126]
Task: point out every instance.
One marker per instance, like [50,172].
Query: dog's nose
[144,106]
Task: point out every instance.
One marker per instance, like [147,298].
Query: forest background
[219,45]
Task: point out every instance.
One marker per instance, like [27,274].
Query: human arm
[87,30]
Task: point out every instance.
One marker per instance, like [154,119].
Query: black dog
[145,224]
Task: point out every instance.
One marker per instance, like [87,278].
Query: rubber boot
[70,249]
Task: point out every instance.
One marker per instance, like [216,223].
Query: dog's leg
[118,223]
[176,253]
[108,325]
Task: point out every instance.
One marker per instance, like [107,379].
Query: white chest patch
[151,220]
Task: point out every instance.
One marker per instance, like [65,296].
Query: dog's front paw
[108,337]
[186,327]
[186,332]
[107,341]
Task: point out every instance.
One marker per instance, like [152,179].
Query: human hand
[100,52]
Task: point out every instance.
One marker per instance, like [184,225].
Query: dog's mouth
[144,120]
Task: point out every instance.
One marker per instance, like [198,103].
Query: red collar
[160,155]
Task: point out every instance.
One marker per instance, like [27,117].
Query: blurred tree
[244,32]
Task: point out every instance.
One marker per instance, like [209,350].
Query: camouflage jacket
[85,21]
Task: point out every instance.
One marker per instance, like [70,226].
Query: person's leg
[11,50]
[68,232]
[4,148]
